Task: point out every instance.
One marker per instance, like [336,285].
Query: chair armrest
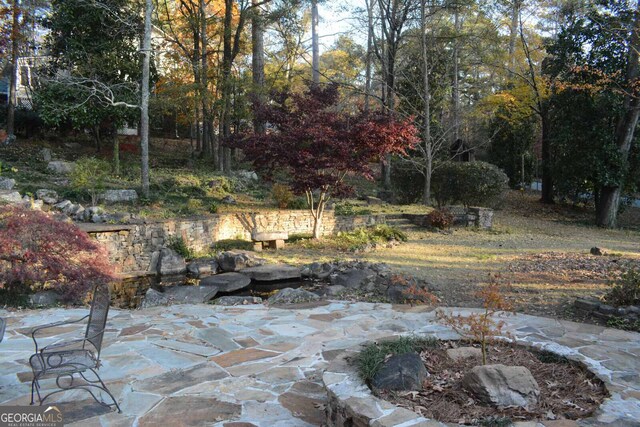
[62,344]
[51,325]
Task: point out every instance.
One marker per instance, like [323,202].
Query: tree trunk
[257,63]
[513,32]
[96,138]
[368,63]
[426,123]
[204,83]
[11,107]
[455,96]
[315,44]
[144,104]
[607,210]
[116,155]
[547,173]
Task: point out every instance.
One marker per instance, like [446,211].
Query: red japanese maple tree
[315,143]
[38,251]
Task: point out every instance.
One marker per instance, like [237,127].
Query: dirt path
[543,253]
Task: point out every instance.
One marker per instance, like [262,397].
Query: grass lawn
[542,252]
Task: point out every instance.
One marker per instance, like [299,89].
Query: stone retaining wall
[134,248]
[465,217]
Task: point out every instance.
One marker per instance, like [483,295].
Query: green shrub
[180,246]
[407,183]
[441,219]
[90,175]
[469,183]
[626,289]
[298,203]
[218,186]
[360,237]
[625,324]
[372,357]
[187,185]
[282,195]
[349,209]
[231,244]
[213,208]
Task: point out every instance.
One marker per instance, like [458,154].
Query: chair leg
[99,384]
[104,388]
[35,387]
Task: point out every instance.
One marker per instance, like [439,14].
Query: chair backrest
[98,316]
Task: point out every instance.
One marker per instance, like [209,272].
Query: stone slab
[272,272]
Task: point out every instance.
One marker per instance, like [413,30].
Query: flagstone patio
[262,366]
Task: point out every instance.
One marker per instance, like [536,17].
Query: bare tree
[11,105]
[144,102]
[315,44]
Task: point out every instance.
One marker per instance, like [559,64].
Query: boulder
[354,278]
[234,261]
[10,196]
[271,272]
[462,353]
[502,386]
[36,205]
[7,183]
[292,296]
[119,196]
[91,212]
[335,290]
[227,282]
[154,298]
[45,155]
[374,201]
[238,300]
[60,167]
[202,267]
[228,200]
[61,206]
[170,262]
[401,372]
[50,197]
[248,175]
[320,270]
[190,294]
[587,304]
[596,251]
[48,297]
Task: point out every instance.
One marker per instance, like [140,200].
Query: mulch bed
[567,391]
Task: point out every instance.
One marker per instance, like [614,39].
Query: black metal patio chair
[70,361]
[3,324]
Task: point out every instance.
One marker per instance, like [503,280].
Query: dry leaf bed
[567,391]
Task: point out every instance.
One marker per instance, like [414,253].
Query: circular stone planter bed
[569,390]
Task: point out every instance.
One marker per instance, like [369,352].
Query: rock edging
[351,401]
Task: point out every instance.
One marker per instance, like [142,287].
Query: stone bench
[269,239]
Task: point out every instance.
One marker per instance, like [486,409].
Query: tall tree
[607,212]
[587,57]
[144,102]
[315,43]
[15,40]
[257,62]
[315,145]
[394,15]
[94,76]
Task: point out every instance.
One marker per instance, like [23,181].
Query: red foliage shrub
[38,251]
[440,219]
